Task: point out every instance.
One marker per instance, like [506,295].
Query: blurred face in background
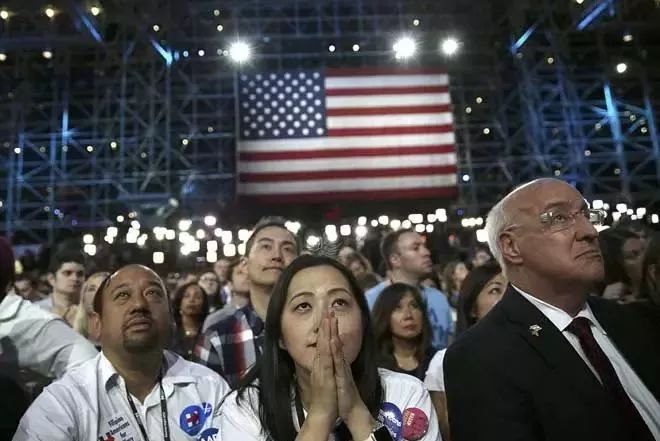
[26,289]
[412,256]
[406,319]
[192,301]
[221,269]
[357,268]
[460,273]
[489,295]
[633,256]
[68,280]
[209,283]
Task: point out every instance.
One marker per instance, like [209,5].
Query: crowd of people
[550,334]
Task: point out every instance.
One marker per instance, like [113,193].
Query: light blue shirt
[437,307]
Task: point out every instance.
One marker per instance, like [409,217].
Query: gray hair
[496,222]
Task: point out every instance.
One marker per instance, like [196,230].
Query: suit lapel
[633,340]
[551,345]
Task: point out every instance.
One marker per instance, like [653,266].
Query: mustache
[137,316]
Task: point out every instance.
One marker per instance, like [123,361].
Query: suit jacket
[504,383]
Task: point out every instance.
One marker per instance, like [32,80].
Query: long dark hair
[387,302]
[648,289]
[178,298]
[275,370]
[472,286]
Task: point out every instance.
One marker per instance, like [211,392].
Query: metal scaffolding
[133,114]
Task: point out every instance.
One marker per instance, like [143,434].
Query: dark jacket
[504,383]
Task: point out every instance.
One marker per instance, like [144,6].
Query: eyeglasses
[559,219]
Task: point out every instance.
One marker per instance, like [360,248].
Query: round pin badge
[209,435]
[415,424]
[192,419]
[390,416]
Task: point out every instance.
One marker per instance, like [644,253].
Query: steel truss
[123,119]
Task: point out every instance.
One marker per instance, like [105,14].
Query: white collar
[560,318]
[176,372]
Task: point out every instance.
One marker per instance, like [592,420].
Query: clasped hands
[333,390]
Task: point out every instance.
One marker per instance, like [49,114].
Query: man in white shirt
[134,389]
[549,362]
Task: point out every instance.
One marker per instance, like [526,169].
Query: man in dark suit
[549,362]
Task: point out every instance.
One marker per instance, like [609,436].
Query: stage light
[211,256]
[332,48]
[479,100]
[243,234]
[135,225]
[3,56]
[550,60]
[621,68]
[226,237]
[201,52]
[89,148]
[212,245]
[345,230]
[644,130]
[240,52]
[90,249]
[120,218]
[95,10]
[330,230]
[621,208]
[468,109]
[113,145]
[200,234]
[655,218]
[4,14]
[50,12]
[156,28]
[185,224]
[361,231]
[88,238]
[395,224]
[627,37]
[404,48]
[220,28]
[185,54]
[406,224]
[112,232]
[47,55]
[362,220]
[486,131]
[640,212]
[449,46]
[597,204]
[185,141]
[216,12]
[466,178]
[356,47]
[17,150]
[158,257]
[482,236]
[170,234]
[416,218]
[241,248]
[579,2]
[210,220]
[415,22]
[374,223]
[420,228]
[383,220]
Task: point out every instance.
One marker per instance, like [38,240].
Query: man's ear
[51,279]
[94,326]
[395,260]
[509,248]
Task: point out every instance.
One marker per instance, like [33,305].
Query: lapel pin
[534,329]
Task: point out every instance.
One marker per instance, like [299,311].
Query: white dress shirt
[646,404]
[241,421]
[90,403]
[43,342]
[435,374]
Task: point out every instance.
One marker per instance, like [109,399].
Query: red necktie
[581,327]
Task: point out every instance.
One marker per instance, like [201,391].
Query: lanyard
[163,413]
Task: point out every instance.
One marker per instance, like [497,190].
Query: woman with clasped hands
[317,378]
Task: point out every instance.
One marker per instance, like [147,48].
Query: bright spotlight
[4,14]
[240,52]
[50,12]
[156,28]
[332,48]
[210,220]
[356,47]
[95,10]
[158,257]
[201,52]
[449,46]
[47,55]
[621,68]
[3,56]
[404,48]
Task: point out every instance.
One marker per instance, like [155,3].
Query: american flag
[345,134]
